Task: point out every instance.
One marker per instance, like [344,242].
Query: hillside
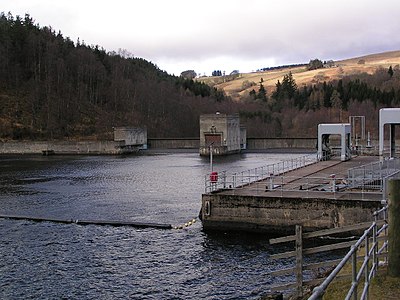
[239,87]
[54,88]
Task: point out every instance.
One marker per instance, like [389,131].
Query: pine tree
[289,86]
[262,93]
[336,103]
[277,94]
[390,71]
[253,94]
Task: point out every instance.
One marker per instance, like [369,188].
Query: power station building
[222,134]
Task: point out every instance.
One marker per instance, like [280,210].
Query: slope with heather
[239,87]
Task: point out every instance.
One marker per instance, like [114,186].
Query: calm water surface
[56,261]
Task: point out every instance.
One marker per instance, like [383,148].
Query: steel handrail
[259,173]
[370,254]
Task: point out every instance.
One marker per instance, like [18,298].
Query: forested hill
[51,87]
[54,88]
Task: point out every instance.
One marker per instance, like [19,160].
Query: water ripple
[55,261]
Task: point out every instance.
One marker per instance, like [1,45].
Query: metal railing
[374,232]
[330,187]
[239,179]
[370,263]
[373,171]
[361,182]
[373,150]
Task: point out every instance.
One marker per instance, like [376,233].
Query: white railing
[374,174]
[331,187]
[374,171]
[361,181]
[240,179]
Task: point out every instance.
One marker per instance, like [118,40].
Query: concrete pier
[317,196]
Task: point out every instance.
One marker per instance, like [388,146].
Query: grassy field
[242,85]
[382,287]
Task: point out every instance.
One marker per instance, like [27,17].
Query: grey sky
[225,35]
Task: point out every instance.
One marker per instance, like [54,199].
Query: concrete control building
[130,139]
[221,133]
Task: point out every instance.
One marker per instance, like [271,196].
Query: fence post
[299,260]
[394,228]
[354,272]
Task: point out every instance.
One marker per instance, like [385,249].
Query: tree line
[297,110]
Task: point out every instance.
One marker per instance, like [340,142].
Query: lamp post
[211,156]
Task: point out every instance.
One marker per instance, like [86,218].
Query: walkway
[310,180]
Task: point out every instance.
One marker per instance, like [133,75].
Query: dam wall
[59,147]
[251,143]
[173,143]
[271,143]
[114,147]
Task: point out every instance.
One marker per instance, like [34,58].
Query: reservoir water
[57,261]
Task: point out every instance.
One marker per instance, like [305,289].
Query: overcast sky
[226,35]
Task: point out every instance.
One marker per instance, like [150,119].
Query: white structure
[388,116]
[325,130]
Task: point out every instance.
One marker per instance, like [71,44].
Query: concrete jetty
[320,195]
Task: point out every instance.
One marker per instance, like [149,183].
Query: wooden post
[394,228]
[299,260]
